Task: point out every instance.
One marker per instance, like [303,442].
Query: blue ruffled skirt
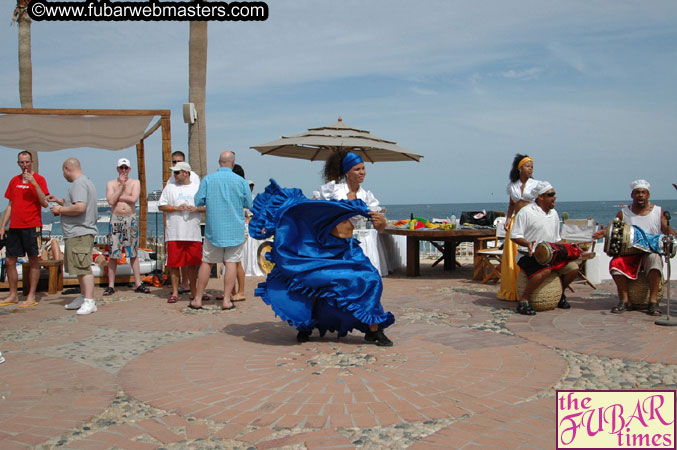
[319,280]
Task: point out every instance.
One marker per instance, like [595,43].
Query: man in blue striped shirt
[225,195]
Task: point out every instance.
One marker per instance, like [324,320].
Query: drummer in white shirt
[651,219]
[539,222]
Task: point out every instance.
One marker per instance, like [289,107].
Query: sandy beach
[465,371]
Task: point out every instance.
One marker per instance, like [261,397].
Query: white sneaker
[87,307]
[76,303]
[2,358]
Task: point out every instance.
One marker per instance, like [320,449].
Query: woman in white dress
[521,193]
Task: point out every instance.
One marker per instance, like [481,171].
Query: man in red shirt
[26,193]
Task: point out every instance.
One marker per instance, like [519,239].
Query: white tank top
[651,223]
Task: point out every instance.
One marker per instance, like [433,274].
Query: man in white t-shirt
[177,157]
[182,232]
[539,222]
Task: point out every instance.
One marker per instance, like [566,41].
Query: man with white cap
[182,233]
[122,194]
[650,218]
[539,222]
[177,157]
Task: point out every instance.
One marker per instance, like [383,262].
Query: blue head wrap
[350,161]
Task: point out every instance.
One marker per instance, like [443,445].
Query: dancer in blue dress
[321,278]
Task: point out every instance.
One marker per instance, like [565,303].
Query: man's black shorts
[530,267]
[24,241]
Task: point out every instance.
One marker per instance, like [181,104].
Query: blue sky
[585,87]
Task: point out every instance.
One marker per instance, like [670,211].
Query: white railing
[428,250]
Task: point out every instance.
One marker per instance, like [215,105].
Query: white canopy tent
[45,130]
[50,133]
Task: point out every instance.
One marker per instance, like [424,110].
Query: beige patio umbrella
[317,144]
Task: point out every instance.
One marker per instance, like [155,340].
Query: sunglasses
[123,167]
[177,161]
[550,194]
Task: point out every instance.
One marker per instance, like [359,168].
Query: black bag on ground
[483,218]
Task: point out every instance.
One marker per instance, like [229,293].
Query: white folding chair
[493,253]
[580,231]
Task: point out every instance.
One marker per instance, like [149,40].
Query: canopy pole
[165,123]
[143,199]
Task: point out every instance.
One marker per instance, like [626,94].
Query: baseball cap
[124,162]
[179,166]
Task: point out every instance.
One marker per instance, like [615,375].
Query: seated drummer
[539,222]
[650,218]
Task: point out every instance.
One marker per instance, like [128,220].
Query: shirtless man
[122,194]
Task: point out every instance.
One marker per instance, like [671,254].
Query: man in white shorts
[225,195]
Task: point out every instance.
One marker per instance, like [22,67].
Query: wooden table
[451,239]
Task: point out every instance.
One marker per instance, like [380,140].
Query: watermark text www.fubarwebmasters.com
[152,10]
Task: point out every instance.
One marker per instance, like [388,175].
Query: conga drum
[543,253]
[547,253]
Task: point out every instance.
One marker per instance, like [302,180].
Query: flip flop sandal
[28,305]
[620,308]
[652,310]
[6,303]
[142,289]
[173,299]
[227,308]
[191,306]
[109,291]
[238,299]
[219,297]
[525,309]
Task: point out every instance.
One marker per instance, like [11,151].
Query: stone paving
[465,371]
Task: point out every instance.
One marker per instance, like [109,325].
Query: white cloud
[532,73]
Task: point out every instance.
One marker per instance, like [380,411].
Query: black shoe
[109,291]
[525,309]
[378,338]
[563,303]
[182,290]
[303,336]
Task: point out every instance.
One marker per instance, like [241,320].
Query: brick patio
[238,379]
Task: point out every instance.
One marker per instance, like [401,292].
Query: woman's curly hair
[333,167]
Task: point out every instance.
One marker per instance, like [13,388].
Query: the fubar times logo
[616,419]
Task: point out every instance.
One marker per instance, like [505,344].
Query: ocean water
[601,212]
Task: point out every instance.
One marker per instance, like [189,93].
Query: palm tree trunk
[25,63]
[197,82]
